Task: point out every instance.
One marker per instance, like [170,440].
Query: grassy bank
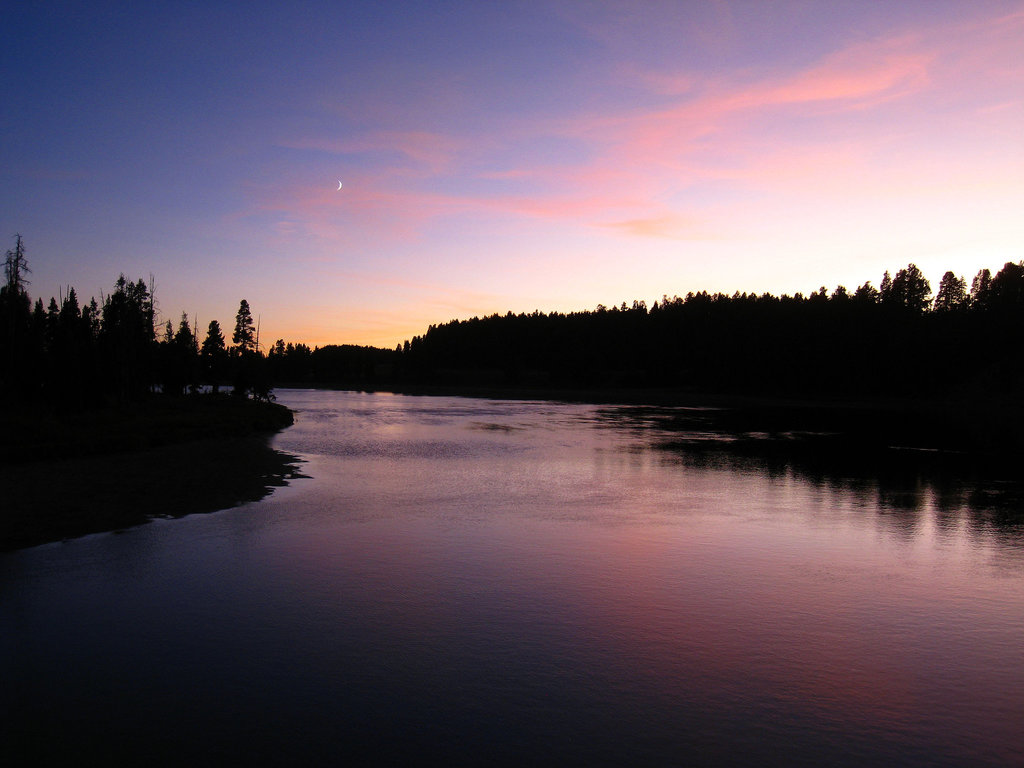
[65,475]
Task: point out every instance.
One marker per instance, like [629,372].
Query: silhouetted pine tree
[952,293]
[16,351]
[213,356]
[127,339]
[244,337]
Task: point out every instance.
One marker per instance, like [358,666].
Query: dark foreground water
[473,582]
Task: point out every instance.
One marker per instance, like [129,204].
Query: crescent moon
[339,185]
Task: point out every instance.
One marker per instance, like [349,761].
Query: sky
[503,156]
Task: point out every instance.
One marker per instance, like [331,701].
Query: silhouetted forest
[74,355]
[98,434]
[894,340]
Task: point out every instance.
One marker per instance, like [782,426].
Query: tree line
[894,340]
[77,355]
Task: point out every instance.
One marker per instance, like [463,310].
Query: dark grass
[69,475]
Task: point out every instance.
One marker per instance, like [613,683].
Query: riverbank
[38,433]
[67,475]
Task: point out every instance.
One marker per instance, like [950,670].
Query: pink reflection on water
[674,588]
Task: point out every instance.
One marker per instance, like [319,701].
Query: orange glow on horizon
[624,157]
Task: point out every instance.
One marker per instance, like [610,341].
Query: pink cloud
[714,135]
[863,72]
[640,160]
[675,136]
[670,226]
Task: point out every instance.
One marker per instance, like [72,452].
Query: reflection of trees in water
[50,500]
[907,493]
[907,488]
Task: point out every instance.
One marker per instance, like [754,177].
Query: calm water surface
[465,581]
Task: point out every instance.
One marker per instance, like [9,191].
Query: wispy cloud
[671,226]
[639,160]
[860,76]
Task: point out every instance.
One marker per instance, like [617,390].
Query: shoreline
[112,469]
[43,433]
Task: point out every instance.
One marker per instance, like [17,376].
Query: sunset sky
[504,155]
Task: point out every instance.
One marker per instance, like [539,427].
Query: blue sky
[504,156]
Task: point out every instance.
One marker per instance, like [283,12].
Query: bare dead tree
[16,266]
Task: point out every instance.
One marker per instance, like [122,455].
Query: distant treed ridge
[894,340]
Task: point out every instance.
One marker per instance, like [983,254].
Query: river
[466,582]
